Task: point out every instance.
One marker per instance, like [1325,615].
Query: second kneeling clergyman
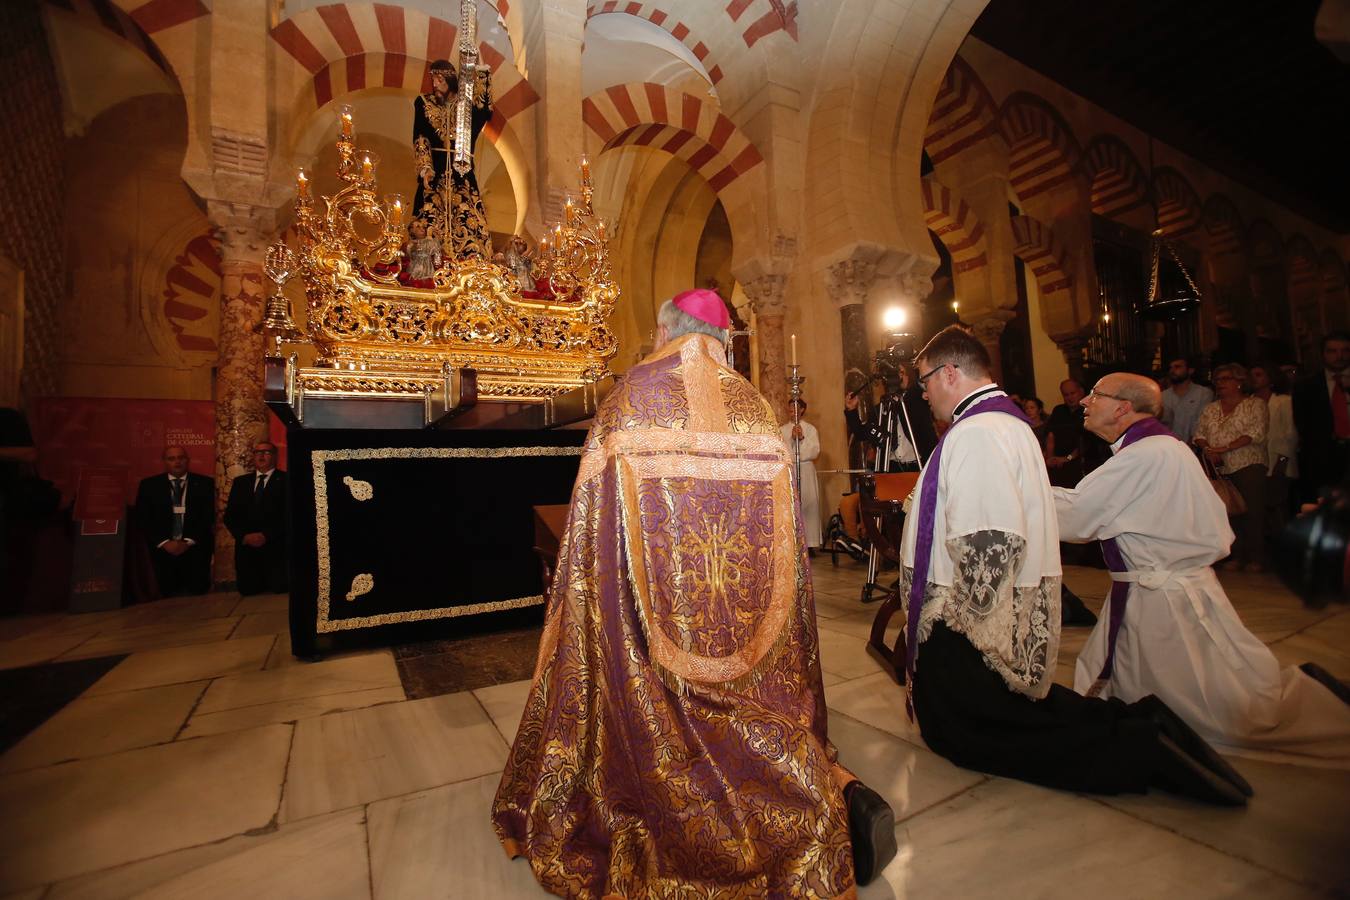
[674,739]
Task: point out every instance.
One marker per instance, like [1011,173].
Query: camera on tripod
[889,364]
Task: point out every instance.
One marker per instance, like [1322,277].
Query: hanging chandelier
[1172,293]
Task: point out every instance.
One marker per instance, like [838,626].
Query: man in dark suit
[910,439]
[257,516]
[1322,419]
[176,512]
[1077,450]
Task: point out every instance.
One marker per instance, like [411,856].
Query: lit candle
[585,170]
[346,122]
[569,212]
[794,349]
[302,184]
[600,229]
[557,235]
[366,167]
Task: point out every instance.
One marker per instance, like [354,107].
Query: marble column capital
[914,287]
[849,281]
[767,294]
[988,328]
[244,230]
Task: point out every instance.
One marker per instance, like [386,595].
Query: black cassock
[464,232]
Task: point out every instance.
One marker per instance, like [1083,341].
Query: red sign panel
[75,433]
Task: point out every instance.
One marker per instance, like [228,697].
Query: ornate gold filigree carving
[474,315]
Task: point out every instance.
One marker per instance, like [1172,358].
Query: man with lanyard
[981,579]
[1170,629]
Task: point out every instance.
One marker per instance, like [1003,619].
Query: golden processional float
[437,351]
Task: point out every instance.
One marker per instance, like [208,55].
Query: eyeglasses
[1096,393]
[923,379]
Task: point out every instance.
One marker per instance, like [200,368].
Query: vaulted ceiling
[1243,87]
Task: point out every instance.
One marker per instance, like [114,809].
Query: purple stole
[1120,590]
[923,544]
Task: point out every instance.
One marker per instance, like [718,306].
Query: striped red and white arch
[690,128]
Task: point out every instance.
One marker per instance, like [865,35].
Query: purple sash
[923,545]
[1120,590]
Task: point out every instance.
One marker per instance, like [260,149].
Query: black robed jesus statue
[446,200]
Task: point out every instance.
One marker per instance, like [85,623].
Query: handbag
[1233,503]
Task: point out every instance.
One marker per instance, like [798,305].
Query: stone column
[848,282]
[766,298]
[241,416]
[1072,348]
[551,59]
[988,330]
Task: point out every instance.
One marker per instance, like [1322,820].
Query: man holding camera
[903,423]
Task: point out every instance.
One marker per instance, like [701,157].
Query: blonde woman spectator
[1232,434]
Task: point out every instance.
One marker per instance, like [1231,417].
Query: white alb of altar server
[1181,639]
[810,487]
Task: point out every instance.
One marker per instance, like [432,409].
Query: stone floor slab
[287,711]
[262,603]
[368,671]
[911,778]
[254,624]
[34,649]
[154,637]
[410,856]
[875,700]
[505,704]
[371,754]
[181,664]
[109,723]
[1298,824]
[1008,839]
[67,820]
[844,654]
[316,859]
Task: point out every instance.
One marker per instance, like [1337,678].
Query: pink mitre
[703,305]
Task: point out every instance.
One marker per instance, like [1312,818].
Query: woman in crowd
[1232,435]
[1035,411]
[1269,384]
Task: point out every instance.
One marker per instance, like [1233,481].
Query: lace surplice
[1015,627]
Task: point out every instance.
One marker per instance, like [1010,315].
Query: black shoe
[1181,773]
[1327,680]
[1072,611]
[871,828]
[1173,726]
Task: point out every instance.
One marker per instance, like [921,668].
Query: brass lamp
[278,322]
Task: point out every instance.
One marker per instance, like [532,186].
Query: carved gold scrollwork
[361,490]
[361,584]
[472,315]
